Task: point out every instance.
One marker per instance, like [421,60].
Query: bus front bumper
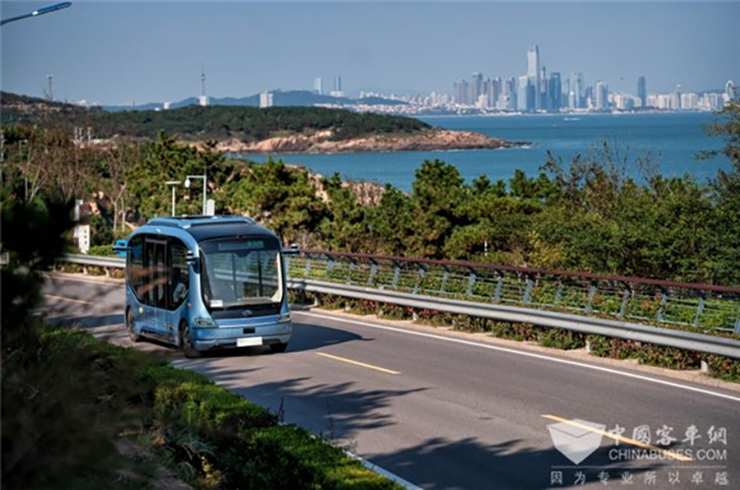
[233,337]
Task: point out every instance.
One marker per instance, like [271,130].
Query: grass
[69,400]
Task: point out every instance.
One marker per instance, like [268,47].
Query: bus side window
[135,267]
[179,274]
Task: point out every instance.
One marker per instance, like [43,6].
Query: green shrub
[101,250]
[612,347]
[562,339]
[723,367]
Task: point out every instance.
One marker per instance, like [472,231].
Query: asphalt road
[446,413]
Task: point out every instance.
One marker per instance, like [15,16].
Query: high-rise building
[601,96]
[266,99]
[337,92]
[676,98]
[543,89]
[576,88]
[476,87]
[507,98]
[318,86]
[524,94]
[462,92]
[731,92]
[555,92]
[642,91]
[533,72]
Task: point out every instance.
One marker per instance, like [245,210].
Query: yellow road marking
[627,440]
[357,363]
[61,298]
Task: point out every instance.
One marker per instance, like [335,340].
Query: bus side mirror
[293,250]
[120,248]
[190,258]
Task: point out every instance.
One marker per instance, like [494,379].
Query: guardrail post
[592,290]
[471,282]
[700,310]
[445,278]
[396,274]
[351,268]
[737,326]
[373,272]
[419,278]
[558,294]
[528,290]
[663,302]
[499,287]
[307,270]
[625,301]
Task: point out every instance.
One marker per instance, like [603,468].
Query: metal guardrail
[710,344]
[520,295]
[699,306]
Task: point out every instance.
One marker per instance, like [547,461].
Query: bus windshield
[241,272]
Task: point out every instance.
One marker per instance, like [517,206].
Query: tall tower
[731,92]
[203,99]
[533,72]
[50,90]
[642,91]
[318,86]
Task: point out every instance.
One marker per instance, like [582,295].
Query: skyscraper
[731,92]
[555,92]
[476,86]
[318,86]
[533,72]
[576,88]
[524,94]
[642,91]
[337,92]
[601,96]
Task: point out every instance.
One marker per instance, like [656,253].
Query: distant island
[240,129]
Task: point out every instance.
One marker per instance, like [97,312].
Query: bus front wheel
[186,341]
[130,327]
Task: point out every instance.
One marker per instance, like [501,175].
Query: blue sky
[120,52]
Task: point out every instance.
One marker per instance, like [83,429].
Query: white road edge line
[383,472]
[522,353]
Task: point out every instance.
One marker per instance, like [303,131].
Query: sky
[114,52]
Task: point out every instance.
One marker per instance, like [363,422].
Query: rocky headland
[325,142]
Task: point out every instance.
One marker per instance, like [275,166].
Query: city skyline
[118,53]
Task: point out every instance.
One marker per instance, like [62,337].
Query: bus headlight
[205,323]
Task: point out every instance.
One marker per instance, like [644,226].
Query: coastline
[323,143]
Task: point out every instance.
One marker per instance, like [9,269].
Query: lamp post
[36,13]
[205,187]
[173,183]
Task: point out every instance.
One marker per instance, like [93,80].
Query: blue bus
[207,282]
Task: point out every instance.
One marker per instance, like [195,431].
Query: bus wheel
[186,341]
[133,336]
[278,348]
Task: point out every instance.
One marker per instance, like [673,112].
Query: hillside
[195,123]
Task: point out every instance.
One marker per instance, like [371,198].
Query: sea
[670,141]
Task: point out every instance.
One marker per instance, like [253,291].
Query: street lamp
[205,187]
[173,183]
[36,13]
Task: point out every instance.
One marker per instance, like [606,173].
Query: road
[446,413]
